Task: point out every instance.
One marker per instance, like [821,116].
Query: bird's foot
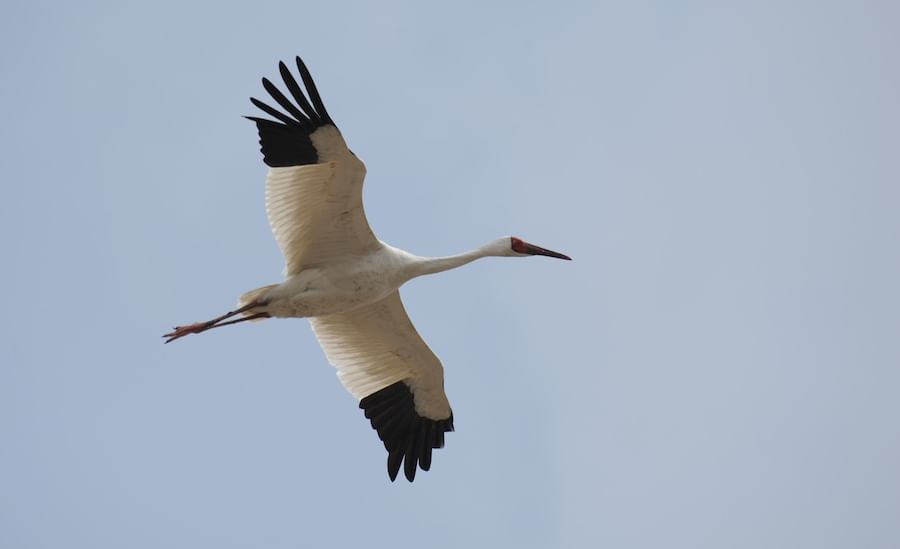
[181,331]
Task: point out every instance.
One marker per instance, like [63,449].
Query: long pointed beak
[537,250]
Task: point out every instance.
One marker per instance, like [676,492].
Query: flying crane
[345,280]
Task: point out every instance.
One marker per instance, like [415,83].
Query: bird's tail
[249,297]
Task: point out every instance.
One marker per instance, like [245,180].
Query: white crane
[345,280]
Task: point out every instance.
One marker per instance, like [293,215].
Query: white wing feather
[377,345]
[316,210]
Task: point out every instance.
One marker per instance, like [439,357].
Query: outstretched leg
[198,327]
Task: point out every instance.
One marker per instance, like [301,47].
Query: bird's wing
[314,184]
[383,361]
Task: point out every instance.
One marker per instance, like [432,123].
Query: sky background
[718,367]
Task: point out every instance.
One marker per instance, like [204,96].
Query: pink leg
[198,327]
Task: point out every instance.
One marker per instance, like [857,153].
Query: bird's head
[516,247]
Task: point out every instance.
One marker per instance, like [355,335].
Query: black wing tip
[284,145]
[313,92]
[286,139]
[408,437]
[393,464]
[315,112]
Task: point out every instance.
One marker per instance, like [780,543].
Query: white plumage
[377,345]
[346,280]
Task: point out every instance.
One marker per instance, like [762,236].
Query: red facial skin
[518,245]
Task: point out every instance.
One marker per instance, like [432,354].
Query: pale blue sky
[718,367]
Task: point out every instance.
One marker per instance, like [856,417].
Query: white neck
[430,265]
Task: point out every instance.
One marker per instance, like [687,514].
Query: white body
[338,287]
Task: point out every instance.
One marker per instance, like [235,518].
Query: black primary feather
[286,140]
[408,437]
